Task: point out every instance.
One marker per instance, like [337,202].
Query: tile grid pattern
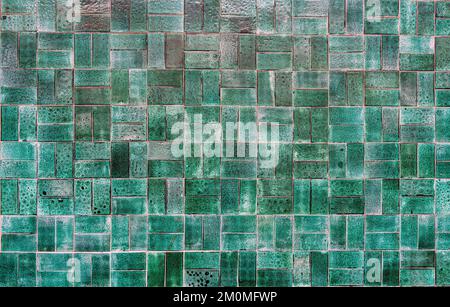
[91,194]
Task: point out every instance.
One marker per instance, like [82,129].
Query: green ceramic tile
[170,143]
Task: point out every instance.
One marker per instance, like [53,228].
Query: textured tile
[133,152]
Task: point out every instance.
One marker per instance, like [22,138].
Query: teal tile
[348,186]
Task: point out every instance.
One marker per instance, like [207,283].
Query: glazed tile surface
[94,193]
